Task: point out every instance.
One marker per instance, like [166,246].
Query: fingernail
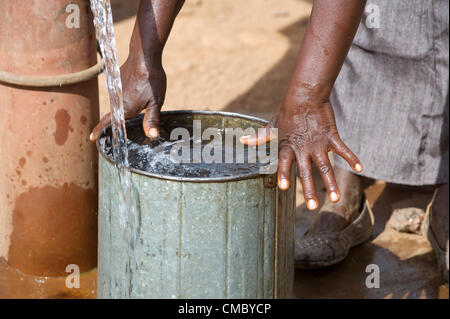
[312,204]
[284,184]
[334,197]
[244,138]
[91,137]
[153,132]
[358,167]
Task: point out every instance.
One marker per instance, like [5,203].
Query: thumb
[151,121]
[104,122]
[263,136]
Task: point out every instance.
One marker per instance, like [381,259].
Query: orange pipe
[48,167]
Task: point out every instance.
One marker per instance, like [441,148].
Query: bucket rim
[242,176]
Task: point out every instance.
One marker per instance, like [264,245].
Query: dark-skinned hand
[143,77]
[306,133]
[142,88]
[305,120]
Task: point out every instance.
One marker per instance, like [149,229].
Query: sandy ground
[224,55]
[237,56]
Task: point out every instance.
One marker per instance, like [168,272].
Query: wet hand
[306,133]
[144,87]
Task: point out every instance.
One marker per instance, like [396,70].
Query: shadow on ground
[408,267]
[264,97]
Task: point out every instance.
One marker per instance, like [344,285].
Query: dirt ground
[224,55]
[237,56]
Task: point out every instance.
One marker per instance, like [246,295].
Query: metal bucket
[230,237]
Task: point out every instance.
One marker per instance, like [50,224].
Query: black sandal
[327,249]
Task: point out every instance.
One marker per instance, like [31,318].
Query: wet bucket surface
[204,230]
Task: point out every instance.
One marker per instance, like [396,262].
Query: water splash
[156,158]
[105,35]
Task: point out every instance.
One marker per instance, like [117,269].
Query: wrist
[143,64]
[314,92]
[302,96]
[151,56]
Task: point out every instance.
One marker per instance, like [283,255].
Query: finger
[306,178]
[285,160]
[262,137]
[151,121]
[326,172]
[342,150]
[104,122]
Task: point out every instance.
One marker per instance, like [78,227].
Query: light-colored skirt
[391,98]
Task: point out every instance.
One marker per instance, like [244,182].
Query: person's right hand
[143,87]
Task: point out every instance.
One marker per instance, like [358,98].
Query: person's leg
[439,224]
[439,216]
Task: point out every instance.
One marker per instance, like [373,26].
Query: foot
[330,237]
[334,217]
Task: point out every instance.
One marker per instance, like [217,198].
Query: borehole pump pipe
[48,176]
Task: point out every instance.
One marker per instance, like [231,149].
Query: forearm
[152,28]
[330,32]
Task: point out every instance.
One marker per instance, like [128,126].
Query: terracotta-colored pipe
[48,183]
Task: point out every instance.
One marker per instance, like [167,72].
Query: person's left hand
[306,132]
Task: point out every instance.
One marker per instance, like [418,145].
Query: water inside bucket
[155,157]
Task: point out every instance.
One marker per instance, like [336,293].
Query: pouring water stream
[128,206]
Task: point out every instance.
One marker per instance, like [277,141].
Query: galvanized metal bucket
[230,237]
